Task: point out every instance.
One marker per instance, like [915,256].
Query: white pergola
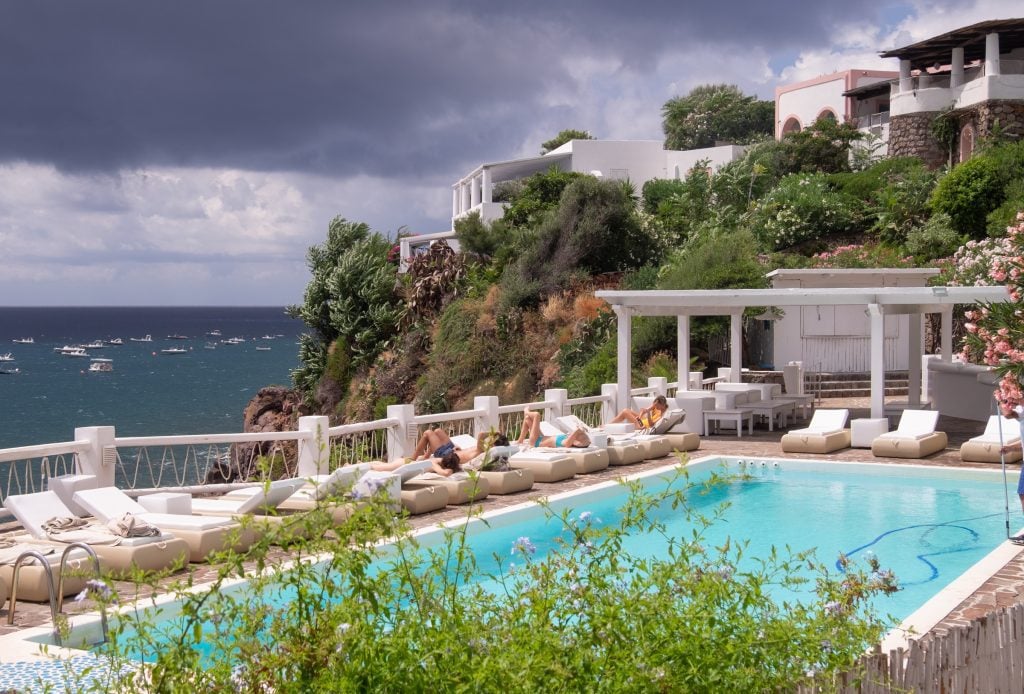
[878,302]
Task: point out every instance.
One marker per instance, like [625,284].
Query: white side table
[864,431]
[737,416]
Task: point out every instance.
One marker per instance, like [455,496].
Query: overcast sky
[189,152]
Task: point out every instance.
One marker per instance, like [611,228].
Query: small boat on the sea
[117,342]
[73,352]
[262,349]
[177,337]
[7,357]
[147,338]
[95,344]
[101,366]
[214,333]
[9,372]
[24,341]
[210,345]
[174,350]
[268,337]
[233,341]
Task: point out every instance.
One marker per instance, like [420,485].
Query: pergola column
[683,352]
[915,348]
[455,202]
[474,192]
[956,65]
[736,346]
[992,66]
[946,337]
[485,193]
[905,82]
[624,354]
[877,361]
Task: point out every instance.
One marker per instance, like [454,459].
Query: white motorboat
[262,349]
[147,338]
[210,345]
[117,342]
[177,337]
[101,365]
[268,337]
[74,352]
[174,350]
[24,341]
[233,341]
[95,344]
[7,357]
[214,333]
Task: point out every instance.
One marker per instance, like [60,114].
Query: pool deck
[1005,587]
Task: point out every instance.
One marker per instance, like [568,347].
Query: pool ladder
[56,594]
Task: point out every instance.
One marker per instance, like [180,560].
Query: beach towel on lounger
[132,526]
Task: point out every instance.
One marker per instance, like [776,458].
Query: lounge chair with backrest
[41,512]
[986,447]
[915,436]
[330,492]
[205,535]
[670,426]
[825,433]
[415,500]
[507,481]
[623,449]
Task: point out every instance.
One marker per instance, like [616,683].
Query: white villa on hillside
[856,96]
[636,160]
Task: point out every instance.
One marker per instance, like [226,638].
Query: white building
[636,160]
[855,96]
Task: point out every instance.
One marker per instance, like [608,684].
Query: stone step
[857,392]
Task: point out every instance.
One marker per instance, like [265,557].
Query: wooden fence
[985,656]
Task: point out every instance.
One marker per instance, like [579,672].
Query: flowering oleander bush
[971,264]
[803,207]
[860,256]
[589,615]
[995,332]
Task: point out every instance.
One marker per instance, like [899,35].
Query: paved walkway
[1004,588]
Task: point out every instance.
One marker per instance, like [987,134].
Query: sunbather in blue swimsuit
[559,440]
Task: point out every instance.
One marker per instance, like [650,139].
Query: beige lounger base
[893,447]
[589,460]
[340,512]
[508,481]
[625,453]
[546,469]
[32,585]
[423,499]
[460,491]
[825,442]
[123,560]
[689,441]
[980,452]
[203,543]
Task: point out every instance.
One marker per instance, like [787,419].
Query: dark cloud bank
[329,87]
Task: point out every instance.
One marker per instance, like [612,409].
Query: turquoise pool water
[928,525]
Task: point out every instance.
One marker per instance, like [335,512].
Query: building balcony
[928,93]
[489,211]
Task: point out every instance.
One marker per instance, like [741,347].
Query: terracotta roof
[937,49]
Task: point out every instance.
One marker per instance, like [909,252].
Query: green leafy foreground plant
[591,616]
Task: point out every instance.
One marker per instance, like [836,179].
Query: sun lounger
[321,491]
[462,487]
[415,500]
[670,428]
[205,535]
[623,449]
[32,580]
[915,437]
[499,482]
[546,464]
[825,433]
[119,555]
[986,447]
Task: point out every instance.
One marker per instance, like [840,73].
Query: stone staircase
[852,385]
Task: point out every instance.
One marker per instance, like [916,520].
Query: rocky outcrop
[273,409]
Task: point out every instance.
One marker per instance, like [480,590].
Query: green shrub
[903,204]
[1005,216]
[539,194]
[933,239]
[586,379]
[722,261]
[658,190]
[968,193]
[801,208]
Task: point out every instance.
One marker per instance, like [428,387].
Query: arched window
[828,114]
[792,125]
[966,142]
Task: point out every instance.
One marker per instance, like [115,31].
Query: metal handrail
[22,559]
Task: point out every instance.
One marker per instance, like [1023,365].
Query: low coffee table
[737,416]
[772,409]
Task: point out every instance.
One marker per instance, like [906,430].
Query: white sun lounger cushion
[109,503]
[570,423]
[340,480]
[464,441]
[265,497]
[825,421]
[1010,433]
[33,510]
[916,423]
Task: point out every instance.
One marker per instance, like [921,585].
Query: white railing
[589,410]
[26,469]
[353,443]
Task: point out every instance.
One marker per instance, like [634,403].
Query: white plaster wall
[808,102]
[637,160]
[684,161]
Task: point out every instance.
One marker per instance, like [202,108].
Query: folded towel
[59,524]
[132,526]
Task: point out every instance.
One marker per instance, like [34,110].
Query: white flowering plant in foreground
[590,615]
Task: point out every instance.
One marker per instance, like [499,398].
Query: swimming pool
[927,524]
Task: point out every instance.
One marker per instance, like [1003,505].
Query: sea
[202,390]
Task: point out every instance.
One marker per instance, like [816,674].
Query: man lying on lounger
[531,428]
[436,443]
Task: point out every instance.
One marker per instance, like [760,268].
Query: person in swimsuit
[645,418]
[436,443]
[444,465]
[531,431]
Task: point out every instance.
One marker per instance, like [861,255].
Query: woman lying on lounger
[443,465]
[645,418]
[436,443]
[531,428]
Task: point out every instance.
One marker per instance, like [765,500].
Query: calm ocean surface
[203,391]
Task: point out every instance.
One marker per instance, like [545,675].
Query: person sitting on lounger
[443,465]
[531,433]
[645,418]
